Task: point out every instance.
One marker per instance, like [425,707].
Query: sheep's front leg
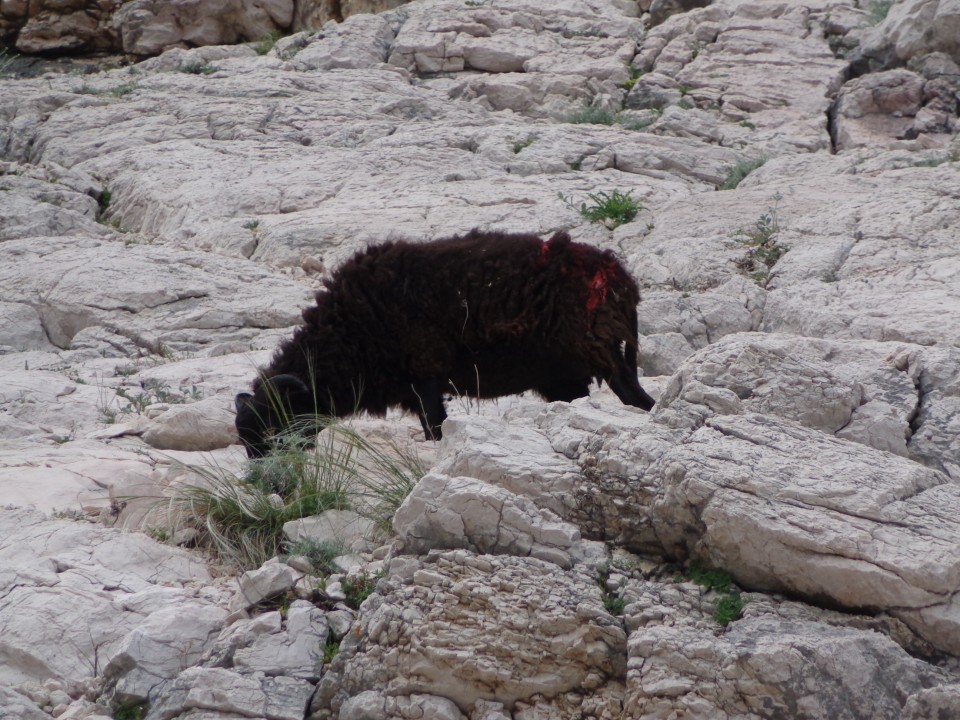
[428,404]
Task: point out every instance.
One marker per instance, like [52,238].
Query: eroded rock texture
[163,224]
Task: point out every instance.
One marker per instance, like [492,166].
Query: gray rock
[218,691]
[296,651]
[268,581]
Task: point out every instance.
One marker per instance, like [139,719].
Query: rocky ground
[162,224]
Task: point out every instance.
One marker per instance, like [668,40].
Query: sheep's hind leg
[427,403]
[626,386]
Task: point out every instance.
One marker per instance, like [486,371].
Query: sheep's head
[277,406]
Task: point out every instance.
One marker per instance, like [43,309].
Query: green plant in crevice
[612,603]
[729,605]
[359,587]
[198,68]
[739,171]
[123,90]
[589,115]
[521,144]
[611,209]
[267,42]
[128,711]
[330,650]
[763,248]
[635,74]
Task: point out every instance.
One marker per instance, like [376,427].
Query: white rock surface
[74,593]
[343,528]
[162,225]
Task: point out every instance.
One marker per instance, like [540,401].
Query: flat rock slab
[71,592]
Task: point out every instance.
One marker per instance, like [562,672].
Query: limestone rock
[296,651]
[344,528]
[169,641]
[912,28]
[203,425]
[156,297]
[270,580]
[150,26]
[563,634]
[220,692]
[14,706]
[444,512]
[75,591]
[769,663]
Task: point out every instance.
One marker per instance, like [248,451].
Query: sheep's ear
[242,401]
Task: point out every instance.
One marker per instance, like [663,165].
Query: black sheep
[485,314]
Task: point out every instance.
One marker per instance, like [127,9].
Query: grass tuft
[241,519]
[610,209]
[267,42]
[591,116]
[739,171]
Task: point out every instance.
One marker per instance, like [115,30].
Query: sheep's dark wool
[484,314]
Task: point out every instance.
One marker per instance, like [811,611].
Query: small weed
[729,608]
[6,62]
[878,11]
[685,104]
[576,164]
[359,588]
[710,578]
[156,391]
[684,89]
[763,250]
[475,3]
[251,225]
[198,68]
[937,161]
[123,90]
[591,116]
[104,201]
[521,144]
[330,650]
[125,711]
[635,74]
[161,535]
[612,603]
[137,403]
[62,439]
[635,123]
[610,209]
[730,604]
[267,42]
[165,351]
[125,370]
[739,171]
[747,124]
